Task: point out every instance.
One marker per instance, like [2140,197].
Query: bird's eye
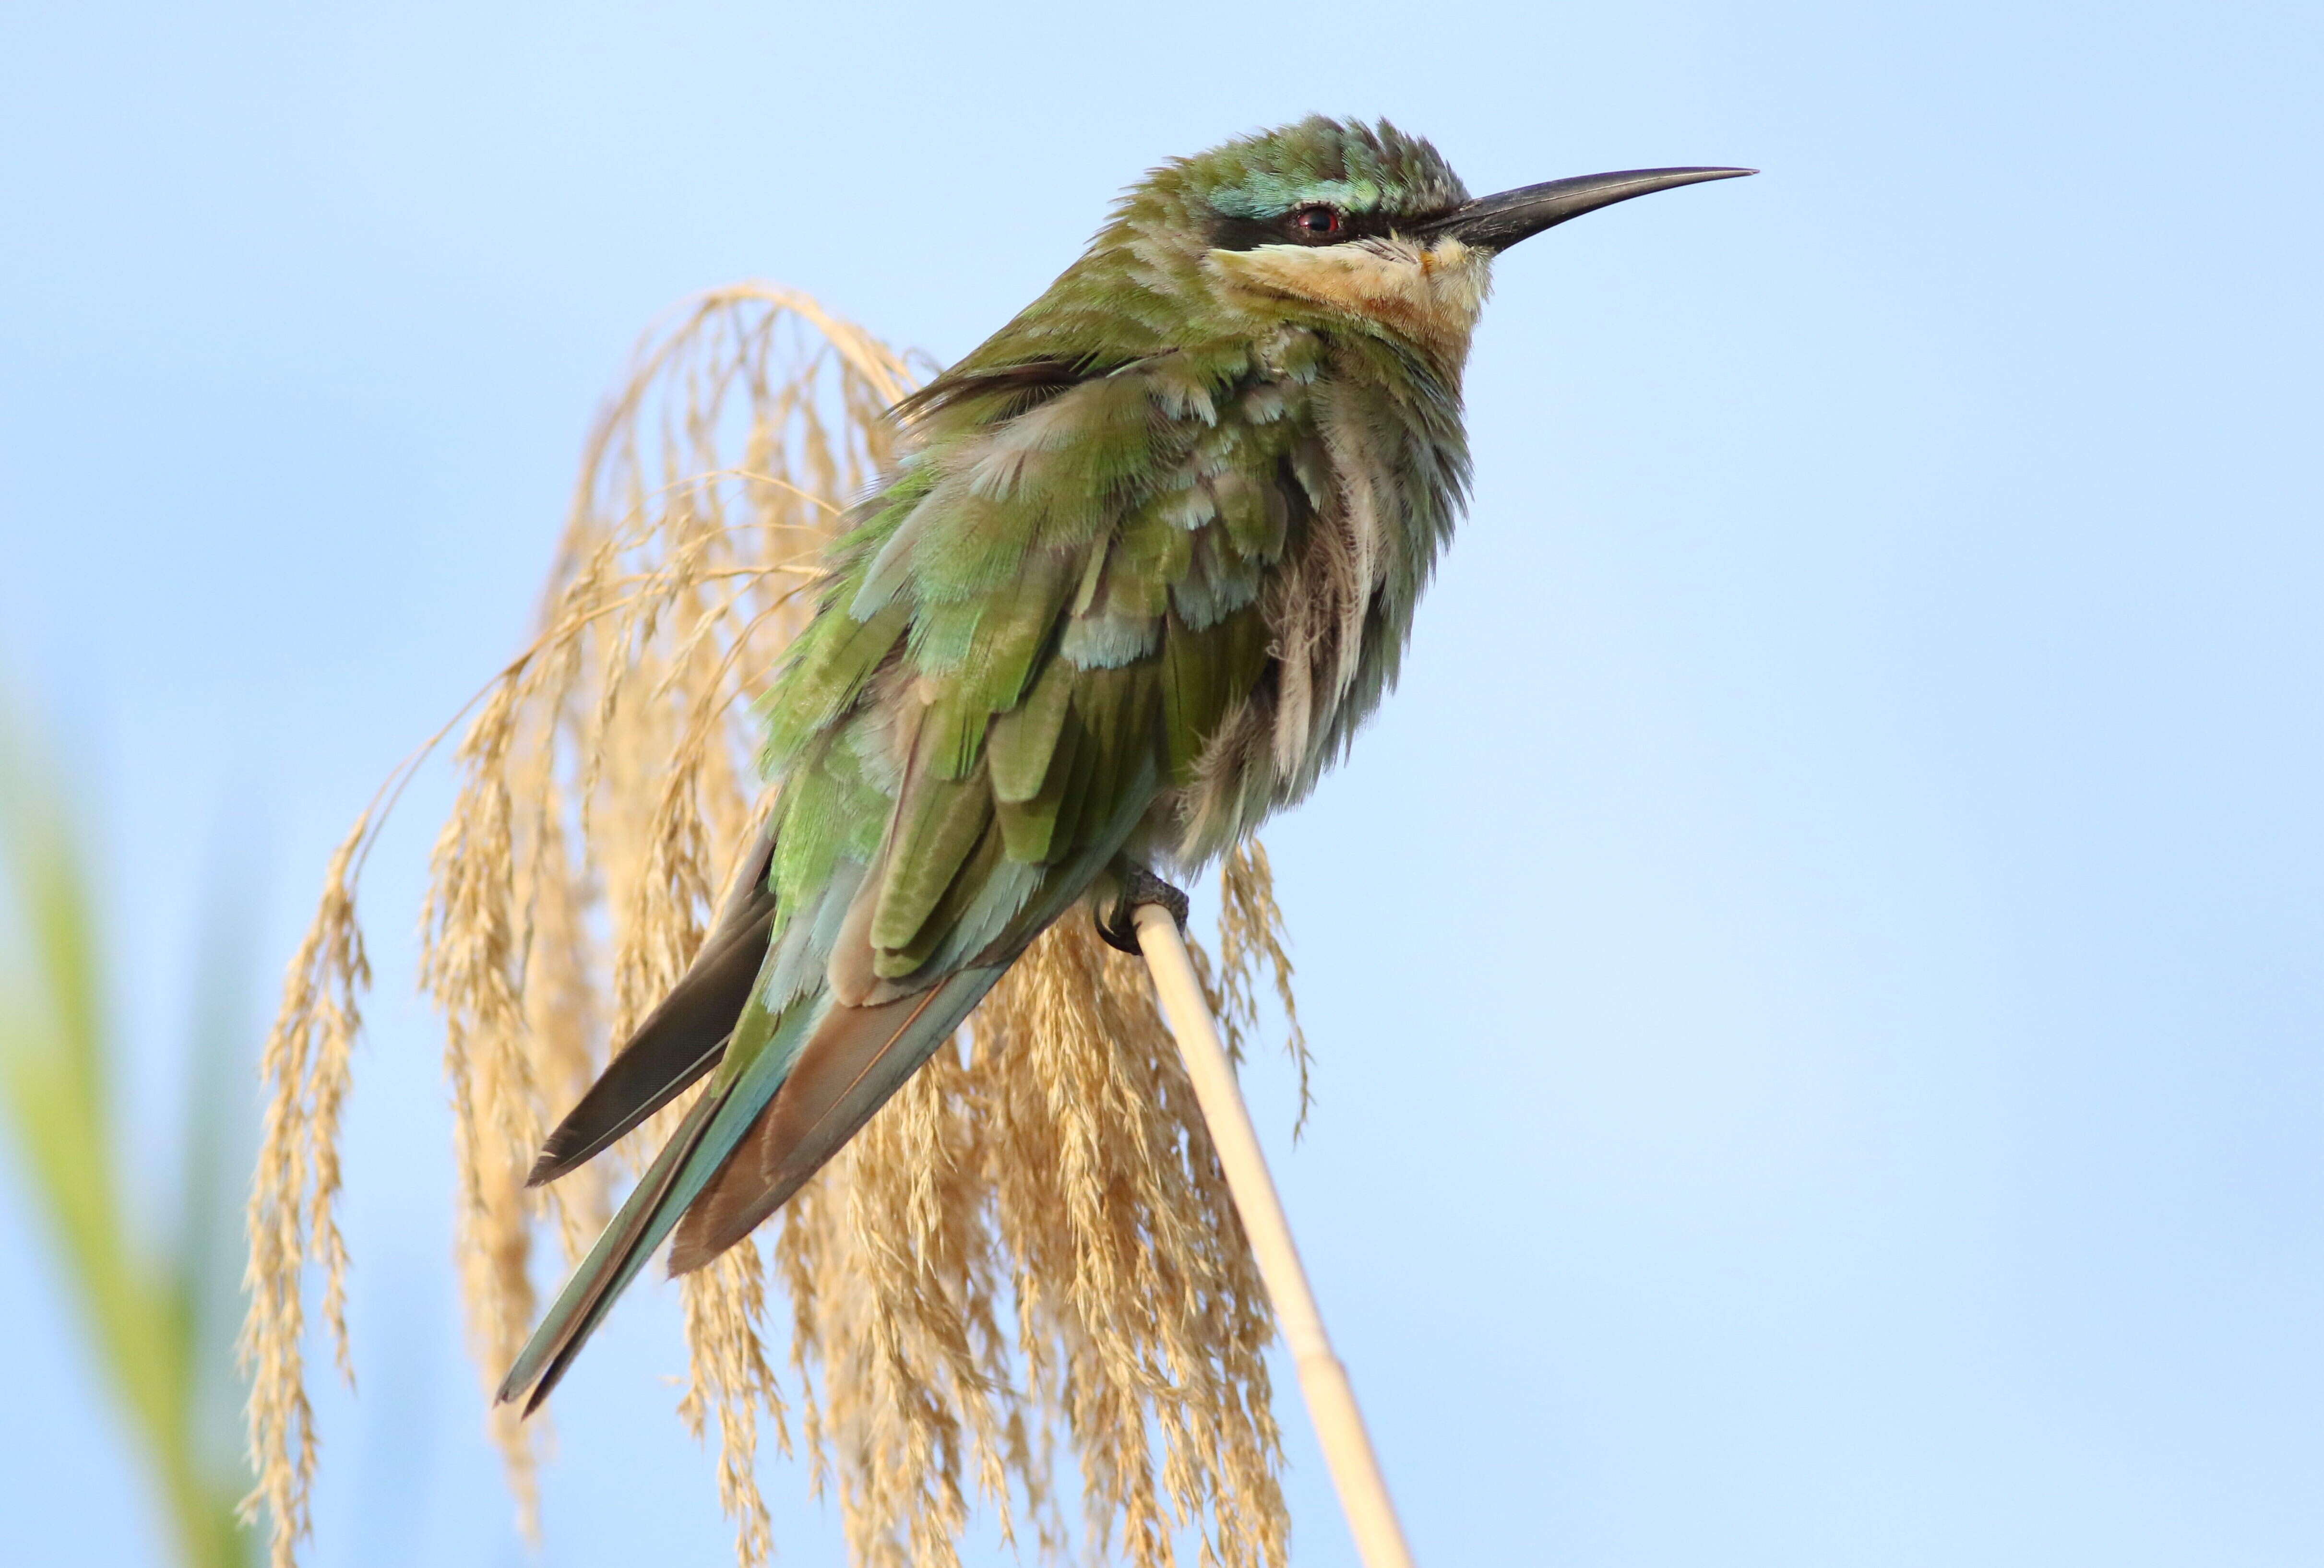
[1318,222]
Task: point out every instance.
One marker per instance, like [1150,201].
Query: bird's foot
[1119,927]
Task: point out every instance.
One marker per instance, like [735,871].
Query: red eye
[1317,223]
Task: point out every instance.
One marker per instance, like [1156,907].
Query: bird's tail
[680,1039]
[855,1059]
[750,1142]
[621,1251]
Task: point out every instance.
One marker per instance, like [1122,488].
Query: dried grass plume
[1028,1258]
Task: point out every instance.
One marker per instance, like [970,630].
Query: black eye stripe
[1243,234]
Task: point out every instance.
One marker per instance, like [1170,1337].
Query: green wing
[1030,641]
[1021,654]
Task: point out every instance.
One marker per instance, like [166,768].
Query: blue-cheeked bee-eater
[1148,562]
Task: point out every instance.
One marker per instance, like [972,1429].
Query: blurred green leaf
[155,1319]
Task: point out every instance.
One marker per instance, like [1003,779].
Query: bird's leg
[1138,885]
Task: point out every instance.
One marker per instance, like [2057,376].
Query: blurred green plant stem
[159,1315]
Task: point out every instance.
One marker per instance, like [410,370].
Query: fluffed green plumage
[1149,561]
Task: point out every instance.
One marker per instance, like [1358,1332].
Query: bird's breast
[1375,488]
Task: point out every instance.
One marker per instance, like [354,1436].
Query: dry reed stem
[293,1202]
[1029,1253]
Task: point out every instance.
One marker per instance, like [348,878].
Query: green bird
[1148,564]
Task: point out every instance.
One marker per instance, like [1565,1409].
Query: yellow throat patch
[1429,295]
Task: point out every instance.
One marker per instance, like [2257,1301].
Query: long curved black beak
[1495,222]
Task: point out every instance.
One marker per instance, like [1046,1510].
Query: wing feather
[681,1040]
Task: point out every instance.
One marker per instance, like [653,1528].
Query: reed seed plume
[1029,1257]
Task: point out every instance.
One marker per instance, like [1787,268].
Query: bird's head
[1325,218]
[1325,223]
[1350,220]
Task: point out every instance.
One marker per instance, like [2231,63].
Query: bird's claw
[1118,927]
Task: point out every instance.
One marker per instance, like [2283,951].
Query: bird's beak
[1495,222]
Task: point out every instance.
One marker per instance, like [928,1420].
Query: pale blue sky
[1814,975]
